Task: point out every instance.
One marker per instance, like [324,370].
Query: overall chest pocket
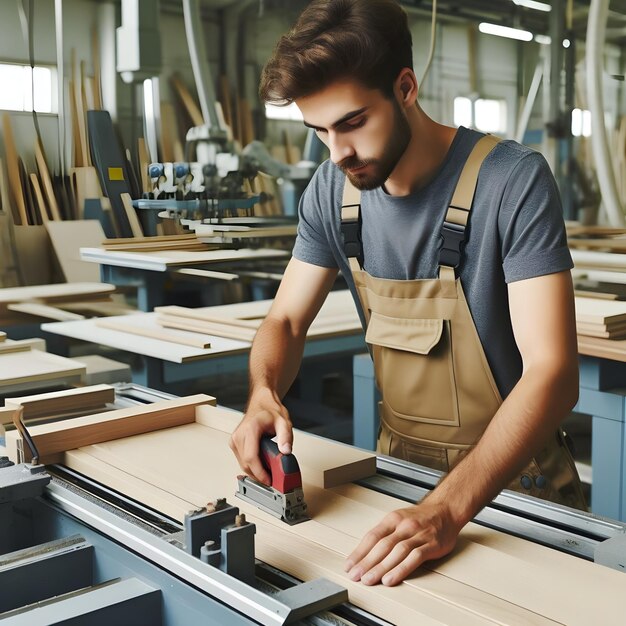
[414,370]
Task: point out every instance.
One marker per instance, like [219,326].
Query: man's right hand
[265,415]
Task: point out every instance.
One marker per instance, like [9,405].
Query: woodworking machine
[73,549]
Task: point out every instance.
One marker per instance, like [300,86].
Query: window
[289,112]
[486,115]
[18,85]
[581,123]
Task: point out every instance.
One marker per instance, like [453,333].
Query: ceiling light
[505,31]
[543,39]
[533,4]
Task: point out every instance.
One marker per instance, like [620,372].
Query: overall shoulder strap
[455,222]
[351,225]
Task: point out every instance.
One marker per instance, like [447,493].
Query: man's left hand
[401,542]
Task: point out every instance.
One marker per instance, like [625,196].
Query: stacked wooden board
[59,301]
[597,317]
[337,316]
[174,456]
[27,367]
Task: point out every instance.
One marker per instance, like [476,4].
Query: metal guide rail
[568,530]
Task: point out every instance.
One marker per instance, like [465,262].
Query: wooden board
[54,292]
[46,181]
[131,214]
[44,311]
[51,439]
[67,238]
[13,169]
[599,311]
[162,261]
[55,402]
[34,366]
[136,326]
[87,330]
[490,577]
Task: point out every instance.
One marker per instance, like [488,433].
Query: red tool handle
[283,468]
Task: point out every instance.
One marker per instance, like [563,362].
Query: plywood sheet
[67,238]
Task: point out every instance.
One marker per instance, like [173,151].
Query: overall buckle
[351,232]
[453,236]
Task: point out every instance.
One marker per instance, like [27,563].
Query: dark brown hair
[365,40]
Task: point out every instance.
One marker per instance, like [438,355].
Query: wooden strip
[44,173]
[55,402]
[188,100]
[44,310]
[133,220]
[55,292]
[13,169]
[51,439]
[207,328]
[38,197]
[144,162]
[187,339]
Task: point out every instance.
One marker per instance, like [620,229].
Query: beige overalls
[438,392]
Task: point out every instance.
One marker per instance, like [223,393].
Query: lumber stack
[60,302]
[597,317]
[337,316]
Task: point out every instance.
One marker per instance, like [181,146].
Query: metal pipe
[594,55]
[200,63]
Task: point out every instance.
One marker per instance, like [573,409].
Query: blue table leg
[603,399]
[366,398]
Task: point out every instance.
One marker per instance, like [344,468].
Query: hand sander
[284,498]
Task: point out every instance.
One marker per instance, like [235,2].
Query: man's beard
[383,166]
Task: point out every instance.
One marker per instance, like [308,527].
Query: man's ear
[406,87]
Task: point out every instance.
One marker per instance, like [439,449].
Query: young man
[469,315]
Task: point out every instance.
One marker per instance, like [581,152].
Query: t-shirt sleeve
[531,223]
[314,213]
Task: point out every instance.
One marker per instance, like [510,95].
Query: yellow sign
[116,173]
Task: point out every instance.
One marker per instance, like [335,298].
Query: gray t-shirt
[516,231]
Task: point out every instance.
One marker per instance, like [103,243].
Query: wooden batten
[52,439]
[57,402]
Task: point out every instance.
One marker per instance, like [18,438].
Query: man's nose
[340,148]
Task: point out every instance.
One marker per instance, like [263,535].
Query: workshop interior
[149,205]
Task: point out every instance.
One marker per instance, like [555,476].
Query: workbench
[148,272]
[164,365]
[123,496]
[602,367]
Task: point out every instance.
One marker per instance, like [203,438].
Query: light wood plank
[54,292]
[55,402]
[127,325]
[51,439]
[45,311]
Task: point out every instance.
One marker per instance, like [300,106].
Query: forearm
[275,357]
[525,420]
